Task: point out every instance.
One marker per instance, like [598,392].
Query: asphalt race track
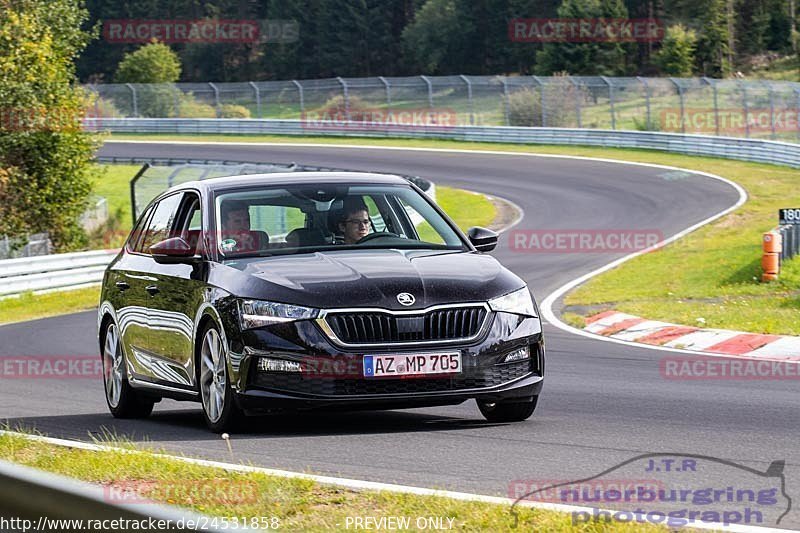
[603,403]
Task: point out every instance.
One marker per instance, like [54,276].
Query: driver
[355,223]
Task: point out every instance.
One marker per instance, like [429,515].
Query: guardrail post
[797,109]
[176,101]
[713,85]
[507,103]
[611,102]
[346,97]
[134,207]
[469,99]
[300,92]
[577,101]
[648,117]
[682,103]
[258,99]
[771,109]
[542,100]
[388,89]
[430,91]
[216,96]
[745,108]
[134,99]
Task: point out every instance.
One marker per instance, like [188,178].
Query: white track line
[357,484]
[546,306]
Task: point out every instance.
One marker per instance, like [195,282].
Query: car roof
[290,178]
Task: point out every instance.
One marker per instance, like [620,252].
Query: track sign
[789,216]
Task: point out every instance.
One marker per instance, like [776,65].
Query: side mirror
[172,251]
[485,240]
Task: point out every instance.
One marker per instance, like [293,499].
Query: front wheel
[508,411]
[122,399]
[219,408]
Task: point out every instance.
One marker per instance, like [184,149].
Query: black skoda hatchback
[267,293]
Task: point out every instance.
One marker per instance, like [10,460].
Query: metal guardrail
[754,150]
[57,271]
[32,500]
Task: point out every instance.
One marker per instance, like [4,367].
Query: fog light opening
[268,364]
[518,355]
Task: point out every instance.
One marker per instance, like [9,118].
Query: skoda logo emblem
[406,299]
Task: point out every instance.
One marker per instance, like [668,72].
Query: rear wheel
[122,399]
[508,411]
[219,408]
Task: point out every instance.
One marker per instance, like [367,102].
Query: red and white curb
[624,327]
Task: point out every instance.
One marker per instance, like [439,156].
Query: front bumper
[332,377]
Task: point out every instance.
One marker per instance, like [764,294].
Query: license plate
[411,364]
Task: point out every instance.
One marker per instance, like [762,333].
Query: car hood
[375,277]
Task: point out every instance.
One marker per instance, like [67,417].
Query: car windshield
[264,220]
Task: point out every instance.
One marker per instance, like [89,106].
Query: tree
[45,155]
[152,63]
[713,44]
[676,57]
[435,41]
[586,58]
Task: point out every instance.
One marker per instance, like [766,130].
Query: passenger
[235,218]
[237,235]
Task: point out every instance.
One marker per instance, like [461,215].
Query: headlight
[518,302]
[257,313]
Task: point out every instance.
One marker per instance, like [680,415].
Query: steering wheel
[376,235]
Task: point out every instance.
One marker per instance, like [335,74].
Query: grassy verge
[712,274]
[30,306]
[466,208]
[296,505]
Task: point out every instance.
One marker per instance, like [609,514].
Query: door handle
[122,285]
[152,289]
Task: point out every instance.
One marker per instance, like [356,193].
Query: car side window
[191,223]
[374,214]
[134,241]
[162,223]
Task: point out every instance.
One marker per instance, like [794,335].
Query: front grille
[375,327]
[478,378]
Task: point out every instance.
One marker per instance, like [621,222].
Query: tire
[122,399]
[219,406]
[508,411]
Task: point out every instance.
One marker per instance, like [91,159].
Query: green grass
[466,208]
[298,505]
[30,306]
[785,68]
[712,274]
